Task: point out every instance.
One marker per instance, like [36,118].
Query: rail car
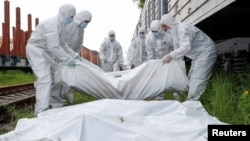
[12,46]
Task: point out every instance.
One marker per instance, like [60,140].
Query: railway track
[16,94]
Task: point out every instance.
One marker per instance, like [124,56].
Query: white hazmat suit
[158,45]
[45,47]
[75,32]
[111,53]
[191,42]
[138,52]
[74,39]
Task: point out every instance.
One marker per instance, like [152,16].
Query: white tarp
[145,81]
[117,120]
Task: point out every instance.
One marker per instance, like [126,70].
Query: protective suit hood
[111,32]
[66,11]
[83,15]
[155,26]
[141,30]
[168,20]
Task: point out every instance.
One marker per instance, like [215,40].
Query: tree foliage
[140,3]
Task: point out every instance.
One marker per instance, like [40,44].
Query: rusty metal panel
[93,58]
[2,42]
[17,33]
[36,21]
[23,41]
[13,48]
[83,52]
[88,54]
[6,35]
[194,11]
[29,25]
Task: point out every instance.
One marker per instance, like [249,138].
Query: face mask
[168,31]
[142,36]
[112,39]
[83,25]
[156,34]
[69,20]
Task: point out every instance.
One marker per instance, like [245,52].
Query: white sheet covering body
[117,120]
[145,81]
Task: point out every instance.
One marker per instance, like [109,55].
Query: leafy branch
[140,3]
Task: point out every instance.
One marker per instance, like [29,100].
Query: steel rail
[16,93]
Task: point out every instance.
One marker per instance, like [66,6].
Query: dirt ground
[7,127]
[5,122]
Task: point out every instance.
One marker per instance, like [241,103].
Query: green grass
[13,77]
[226,97]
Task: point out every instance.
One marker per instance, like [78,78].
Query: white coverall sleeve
[74,37]
[150,48]
[70,51]
[185,40]
[79,43]
[53,43]
[102,51]
[132,53]
[120,53]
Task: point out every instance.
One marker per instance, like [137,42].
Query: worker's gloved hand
[120,66]
[132,66]
[166,59]
[72,63]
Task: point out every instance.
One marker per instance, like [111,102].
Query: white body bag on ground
[145,81]
[117,120]
[114,119]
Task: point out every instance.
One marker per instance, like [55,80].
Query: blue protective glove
[72,63]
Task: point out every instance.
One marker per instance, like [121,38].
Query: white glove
[166,59]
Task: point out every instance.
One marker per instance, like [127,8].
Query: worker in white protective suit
[129,52]
[191,42]
[45,48]
[111,53]
[75,31]
[74,39]
[138,52]
[158,45]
